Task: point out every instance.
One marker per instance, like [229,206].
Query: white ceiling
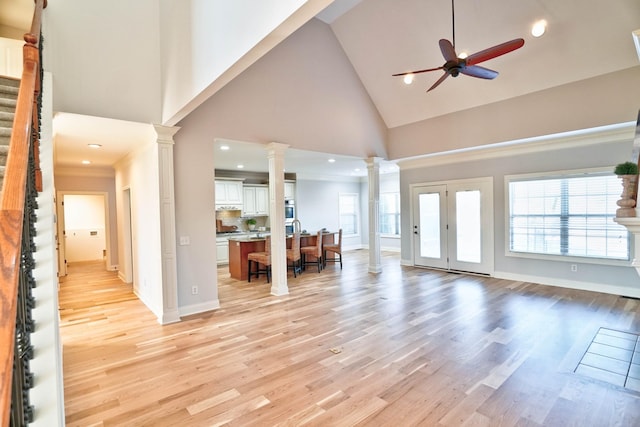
[382,37]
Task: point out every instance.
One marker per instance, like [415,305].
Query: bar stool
[263,258]
[313,251]
[335,248]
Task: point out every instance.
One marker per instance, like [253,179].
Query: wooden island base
[240,247]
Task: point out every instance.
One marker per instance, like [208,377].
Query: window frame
[356,199]
[572,259]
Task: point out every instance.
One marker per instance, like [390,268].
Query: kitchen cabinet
[222,250]
[228,192]
[289,190]
[256,200]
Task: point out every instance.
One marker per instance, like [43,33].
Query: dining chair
[314,251]
[258,258]
[293,255]
[333,248]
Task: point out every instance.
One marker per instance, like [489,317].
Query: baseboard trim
[570,284]
[188,310]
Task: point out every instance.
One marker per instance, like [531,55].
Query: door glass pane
[468,240]
[430,225]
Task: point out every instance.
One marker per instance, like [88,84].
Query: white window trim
[548,257]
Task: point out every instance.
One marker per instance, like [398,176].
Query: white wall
[317,205]
[11,57]
[320,107]
[599,101]
[138,173]
[559,154]
[85,227]
[105,58]
[206,43]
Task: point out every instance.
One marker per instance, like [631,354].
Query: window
[570,215]
[349,213]
[390,213]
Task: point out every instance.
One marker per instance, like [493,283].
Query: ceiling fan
[468,66]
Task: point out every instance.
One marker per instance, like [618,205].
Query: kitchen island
[241,246]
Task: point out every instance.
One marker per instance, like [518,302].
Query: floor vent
[614,357]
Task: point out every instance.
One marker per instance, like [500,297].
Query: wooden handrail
[12,207]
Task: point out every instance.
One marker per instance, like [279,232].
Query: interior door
[453,225]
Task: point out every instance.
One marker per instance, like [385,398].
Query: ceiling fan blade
[417,71]
[448,51]
[440,80]
[478,71]
[495,51]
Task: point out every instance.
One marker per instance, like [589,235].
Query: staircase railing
[17,219]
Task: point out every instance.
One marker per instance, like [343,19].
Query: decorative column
[275,154]
[373,170]
[165,142]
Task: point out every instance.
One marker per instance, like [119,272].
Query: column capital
[165,133]
[373,161]
[276,147]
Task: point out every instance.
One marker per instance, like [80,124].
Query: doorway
[82,228]
[452,225]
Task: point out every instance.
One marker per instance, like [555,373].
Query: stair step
[8,91]
[5,131]
[6,123]
[4,140]
[8,81]
[10,103]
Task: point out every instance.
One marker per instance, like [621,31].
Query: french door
[453,225]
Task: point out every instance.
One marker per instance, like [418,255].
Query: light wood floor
[406,347]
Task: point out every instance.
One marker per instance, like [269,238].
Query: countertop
[246,239]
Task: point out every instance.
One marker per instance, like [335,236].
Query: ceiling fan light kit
[455,65]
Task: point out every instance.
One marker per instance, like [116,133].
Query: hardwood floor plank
[405,347]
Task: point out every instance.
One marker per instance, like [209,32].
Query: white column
[373,170]
[275,154]
[165,142]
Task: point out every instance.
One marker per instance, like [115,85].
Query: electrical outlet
[184,240]
[574,268]
[194,290]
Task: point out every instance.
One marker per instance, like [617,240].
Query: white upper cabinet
[228,192]
[256,200]
[289,191]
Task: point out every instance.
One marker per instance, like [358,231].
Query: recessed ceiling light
[331,160]
[224,147]
[94,145]
[539,28]
[408,79]
[86,162]
[240,166]
[356,170]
